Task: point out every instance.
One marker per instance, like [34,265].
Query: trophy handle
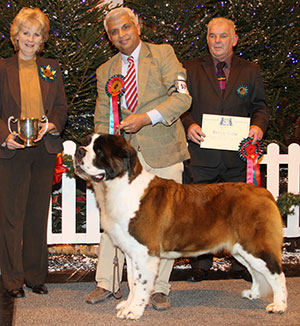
[13,120]
[44,119]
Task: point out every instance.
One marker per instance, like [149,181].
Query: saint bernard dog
[150,218]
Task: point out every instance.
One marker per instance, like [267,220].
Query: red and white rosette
[251,153]
[115,89]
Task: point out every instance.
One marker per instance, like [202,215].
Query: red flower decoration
[59,169]
[250,150]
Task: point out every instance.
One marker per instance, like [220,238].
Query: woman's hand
[11,143]
[43,130]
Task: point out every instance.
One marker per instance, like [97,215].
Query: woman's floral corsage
[47,73]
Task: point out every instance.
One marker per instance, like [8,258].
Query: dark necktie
[130,86]
[221,76]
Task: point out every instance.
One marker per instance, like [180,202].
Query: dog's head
[105,157]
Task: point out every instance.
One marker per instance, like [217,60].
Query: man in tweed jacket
[154,128]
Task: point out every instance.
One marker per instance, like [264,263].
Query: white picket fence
[273,159]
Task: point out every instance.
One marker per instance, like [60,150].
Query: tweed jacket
[53,97]
[163,144]
[207,98]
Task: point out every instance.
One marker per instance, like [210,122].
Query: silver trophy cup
[27,128]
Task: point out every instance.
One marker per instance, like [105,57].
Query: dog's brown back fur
[204,217]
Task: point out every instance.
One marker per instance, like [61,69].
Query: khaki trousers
[104,272]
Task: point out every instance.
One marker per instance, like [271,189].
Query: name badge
[181,86]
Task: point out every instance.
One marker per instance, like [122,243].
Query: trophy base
[29,143]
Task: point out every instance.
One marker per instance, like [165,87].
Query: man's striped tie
[130,86]
[221,76]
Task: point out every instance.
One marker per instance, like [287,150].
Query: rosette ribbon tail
[122,132]
[59,169]
[114,113]
[253,171]
[114,89]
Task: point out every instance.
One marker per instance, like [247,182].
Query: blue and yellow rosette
[115,89]
[251,153]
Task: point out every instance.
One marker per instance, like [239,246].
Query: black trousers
[220,173]
[26,186]
[207,175]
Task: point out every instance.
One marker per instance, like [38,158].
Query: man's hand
[256,133]
[134,122]
[195,133]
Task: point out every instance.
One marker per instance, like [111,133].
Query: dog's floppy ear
[126,153]
[130,160]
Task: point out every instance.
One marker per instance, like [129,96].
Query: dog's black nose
[80,152]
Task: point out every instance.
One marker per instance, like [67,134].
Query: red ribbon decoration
[251,153]
[114,89]
[59,169]
[253,171]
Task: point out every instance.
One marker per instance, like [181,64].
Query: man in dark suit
[237,91]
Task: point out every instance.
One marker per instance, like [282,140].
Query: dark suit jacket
[207,98]
[53,96]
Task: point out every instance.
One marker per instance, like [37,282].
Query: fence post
[272,160]
[68,234]
[293,227]
[92,218]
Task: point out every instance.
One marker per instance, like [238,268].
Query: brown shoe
[160,301]
[98,295]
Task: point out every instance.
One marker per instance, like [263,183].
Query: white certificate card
[224,131]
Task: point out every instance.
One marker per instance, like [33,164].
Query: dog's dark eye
[98,151]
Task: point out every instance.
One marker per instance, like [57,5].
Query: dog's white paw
[276,308]
[130,312]
[250,294]
[121,305]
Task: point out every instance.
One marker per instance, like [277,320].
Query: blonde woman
[30,87]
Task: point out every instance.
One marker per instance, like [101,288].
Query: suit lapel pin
[242,90]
